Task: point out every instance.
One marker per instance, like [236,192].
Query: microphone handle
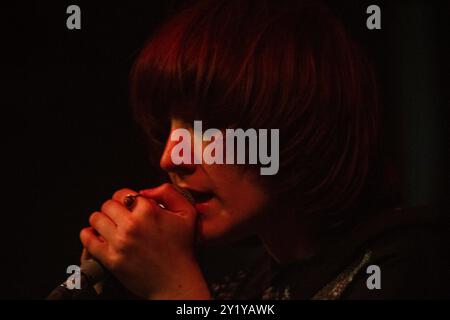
[92,271]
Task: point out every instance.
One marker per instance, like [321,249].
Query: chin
[209,233]
[216,233]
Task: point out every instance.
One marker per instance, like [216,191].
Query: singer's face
[229,200]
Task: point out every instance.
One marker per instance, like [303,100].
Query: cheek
[230,223]
[240,198]
[244,191]
[239,202]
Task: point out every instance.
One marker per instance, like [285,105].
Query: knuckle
[148,206]
[85,237]
[93,219]
[107,205]
[115,262]
[130,228]
[122,244]
[166,187]
[119,193]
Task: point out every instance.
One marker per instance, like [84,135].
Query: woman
[323,218]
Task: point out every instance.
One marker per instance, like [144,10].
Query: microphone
[92,271]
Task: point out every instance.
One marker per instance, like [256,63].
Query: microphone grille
[186,194]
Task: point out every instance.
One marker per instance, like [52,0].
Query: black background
[71,142]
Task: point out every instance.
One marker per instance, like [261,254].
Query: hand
[149,250]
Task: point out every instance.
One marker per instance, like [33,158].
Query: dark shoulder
[412,258]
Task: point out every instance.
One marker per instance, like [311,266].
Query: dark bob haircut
[272,64]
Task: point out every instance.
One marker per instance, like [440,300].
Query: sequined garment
[231,285]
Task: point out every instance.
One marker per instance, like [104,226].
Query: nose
[169,166]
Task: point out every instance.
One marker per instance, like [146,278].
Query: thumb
[85,255]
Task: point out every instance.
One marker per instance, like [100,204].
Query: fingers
[140,203]
[120,195]
[103,225]
[116,211]
[97,248]
[171,198]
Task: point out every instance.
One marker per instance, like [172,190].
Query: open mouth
[200,197]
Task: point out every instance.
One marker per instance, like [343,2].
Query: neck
[287,240]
